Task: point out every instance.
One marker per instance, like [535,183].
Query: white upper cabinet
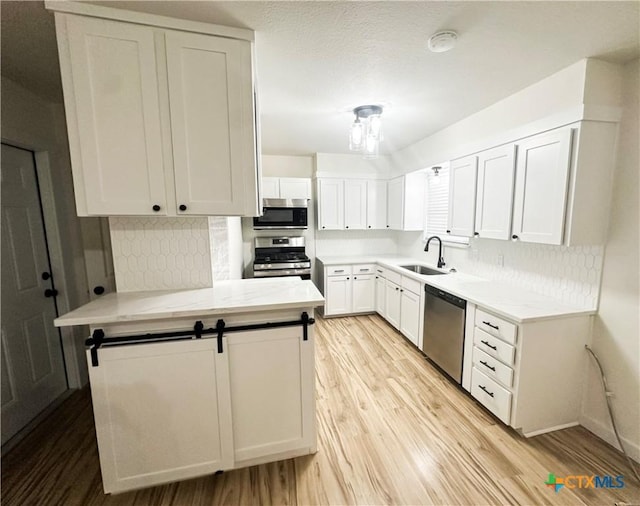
[295,188]
[462,196]
[114,117]
[355,204]
[376,204]
[211,99]
[286,188]
[330,204]
[540,197]
[159,121]
[406,199]
[494,197]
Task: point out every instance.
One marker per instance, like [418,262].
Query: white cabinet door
[381,288]
[271,379]
[330,204]
[392,303]
[540,197]
[270,188]
[410,315]
[395,201]
[364,293]
[376,204]
[338,296]
[494,197]
[162,412]
[462,196]
[355,204]
[212,123]
[295,188]
[111,100]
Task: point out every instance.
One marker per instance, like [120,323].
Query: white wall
[616,333]
[31,122]
[287,166]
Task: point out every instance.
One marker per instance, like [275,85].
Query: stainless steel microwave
[282,213]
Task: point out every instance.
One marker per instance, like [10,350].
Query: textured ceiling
[318,60]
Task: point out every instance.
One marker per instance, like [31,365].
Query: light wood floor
[391,430]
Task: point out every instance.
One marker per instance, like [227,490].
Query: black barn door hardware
[98,337]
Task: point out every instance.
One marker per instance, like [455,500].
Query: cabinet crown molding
[142,18]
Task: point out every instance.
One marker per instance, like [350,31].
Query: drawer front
[411,284]
[494,397]
[496,326]
[394,277]
[338,270]
[494,346]
[363,269]
[492,367]
[381,272]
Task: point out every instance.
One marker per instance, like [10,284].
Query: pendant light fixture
[366,130]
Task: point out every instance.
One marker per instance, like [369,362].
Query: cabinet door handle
[182,207]
[487,366]
[354,277]
[49,292]
[369,226]
[514,237]
[339,270]
[448,231]
[323,226]
[364,270]
[347,226]
[98,290]
[485,389]
[156,208]
[476,234]
[347,279]
[397,288]
[487,343]
[376,277]
[492,326]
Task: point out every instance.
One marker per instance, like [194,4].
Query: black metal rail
[98,337]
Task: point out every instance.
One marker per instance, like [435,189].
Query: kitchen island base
[172,409]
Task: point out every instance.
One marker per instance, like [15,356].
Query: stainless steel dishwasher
[443,337]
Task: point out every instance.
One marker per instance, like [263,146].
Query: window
[438,206]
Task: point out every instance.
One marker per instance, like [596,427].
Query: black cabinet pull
[387,226]
[50,292]
[354,277]
[347,226]
[98,290]
[156,208]
[485,389]
[369,226]
[46,275]
[487,366]
[492,347]
[514,237]
[492,326]
[397,288]
[323,226]
[182,207]
[476,233]
[448,231]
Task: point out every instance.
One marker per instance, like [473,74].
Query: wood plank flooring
[391,430]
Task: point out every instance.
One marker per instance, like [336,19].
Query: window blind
[438,206]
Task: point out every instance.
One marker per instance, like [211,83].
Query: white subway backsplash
[569,274]
[160,253]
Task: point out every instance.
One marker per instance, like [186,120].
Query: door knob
[98,290]
[50,292]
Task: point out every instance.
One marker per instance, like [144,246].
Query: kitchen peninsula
[192,382]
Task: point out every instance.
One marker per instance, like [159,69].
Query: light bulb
[375,126]
[371,147]
[357,134]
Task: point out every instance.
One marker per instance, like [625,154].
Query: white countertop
[501,298]
[237,296]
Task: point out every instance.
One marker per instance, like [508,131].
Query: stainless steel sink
[421,269]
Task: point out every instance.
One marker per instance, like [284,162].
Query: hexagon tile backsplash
[160,253]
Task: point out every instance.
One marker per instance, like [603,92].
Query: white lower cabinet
[271,379]
[393,303]
[410,315]
[172,410]
[162,412]
[348,289]
[381,287]
[529,374]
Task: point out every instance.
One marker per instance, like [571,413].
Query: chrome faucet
[440,259]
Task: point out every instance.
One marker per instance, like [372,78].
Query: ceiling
[316,61]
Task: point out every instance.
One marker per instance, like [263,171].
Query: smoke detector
[442,41]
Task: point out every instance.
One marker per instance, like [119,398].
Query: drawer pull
[492,326]
[339,270]
[485,389]
[364,270]
[488,366]
[492,347]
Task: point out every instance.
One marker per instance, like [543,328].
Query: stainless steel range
[281,256]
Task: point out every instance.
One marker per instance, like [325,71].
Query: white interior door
[32,366]
[98,259]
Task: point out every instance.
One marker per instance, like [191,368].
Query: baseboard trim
[550,429]
[605,432]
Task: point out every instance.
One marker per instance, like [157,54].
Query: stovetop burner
[295,256]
